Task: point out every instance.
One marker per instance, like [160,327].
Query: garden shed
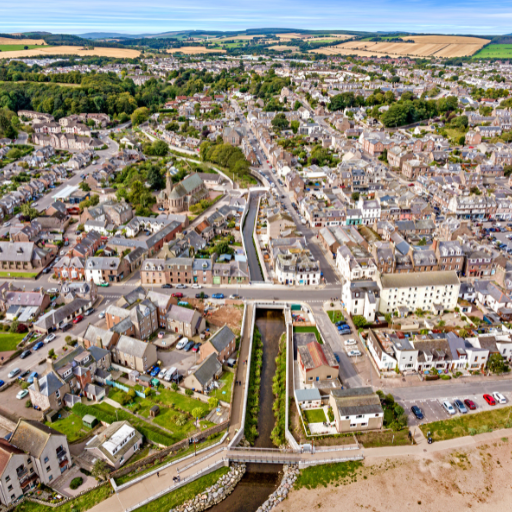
[89,420]
[133,376]
[154,411]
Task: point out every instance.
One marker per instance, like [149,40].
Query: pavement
[248,229]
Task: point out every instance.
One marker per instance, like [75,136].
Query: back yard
[9,341]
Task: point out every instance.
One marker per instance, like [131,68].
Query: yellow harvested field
[72,50]
[281,48]
[8,40]
[311,37]
[240,38]
[423,46]
[195,50]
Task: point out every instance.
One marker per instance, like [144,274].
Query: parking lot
[433,409]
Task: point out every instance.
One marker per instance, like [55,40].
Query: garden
[310,328]
[336,316]
[9,341]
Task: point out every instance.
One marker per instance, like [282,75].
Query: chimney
[99,341]
[36,385]
[434,244]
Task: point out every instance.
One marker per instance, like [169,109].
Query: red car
[489,399]
[470,404]
[79,318]
[178,295]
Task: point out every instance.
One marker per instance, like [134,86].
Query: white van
[181,343]
[170,373]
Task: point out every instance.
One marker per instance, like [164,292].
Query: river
[260,480]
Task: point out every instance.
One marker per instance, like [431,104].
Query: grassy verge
[336,316]
[80,504]
[72,426]
[315,415]
[215,438]
[26,275]
[311,328]
[387,438]
[338,473]
[279,390]
[469,424]
[175,498]
[9,341]
[227,379]
[253,395]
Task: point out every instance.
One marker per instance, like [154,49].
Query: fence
[314,462]
[117,385]
[184,481]
[289,383]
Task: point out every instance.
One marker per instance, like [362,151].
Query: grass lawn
[71,426]
[215,438]
[338,473]
[227,378]
[19,47]
[315,415]
[183,402]
[494,51]
[454,134]
[80,504]
[377,439]
[9,341]
[26,275]
[175,498]
[336,316]
[309,329]
[470,424]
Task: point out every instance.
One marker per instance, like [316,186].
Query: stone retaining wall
[214,494]
[289,477]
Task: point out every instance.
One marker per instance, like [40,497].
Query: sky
[156,16]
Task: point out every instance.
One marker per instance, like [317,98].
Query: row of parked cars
[170,374]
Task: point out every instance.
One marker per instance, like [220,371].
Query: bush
[76,482]
[189,392]
[174,386]
[28,404]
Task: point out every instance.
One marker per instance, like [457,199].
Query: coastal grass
[469,424]
[327,474]
[185,493]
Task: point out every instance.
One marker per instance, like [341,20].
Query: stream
[261,480]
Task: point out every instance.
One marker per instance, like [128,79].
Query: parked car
[353,353]
[182,343]
[38,345]
[104,284]
[448,407]
[13,373]
[166,286]
[188,346]
[337,357]
[23,374]
[195,285]
[155,371]
[196,347]
[47,270]
[25,354]
[77,319]
[1,383]
[202,295]
[417,412]
[102,314]
[499,397]
[181,286]
[162,374]
[217,296]
[460,406]
[22,394]
[170,373]
[489,399]
[350,341]
[234,296]
[345,332]
[178,295]
[31,377]
[65,327]
[90,311]
[470,404]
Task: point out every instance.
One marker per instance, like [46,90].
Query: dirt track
[477,479]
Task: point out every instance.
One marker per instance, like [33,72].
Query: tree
[140,115]
[100,469]
[198,412]
[157,148]
[359,321]
[280,122]
[28,211]
[295,126]
[496,363]
[213,402]
[297,105]
[155,179]
[14,326]
[422,242]
[355,196]
[85,186]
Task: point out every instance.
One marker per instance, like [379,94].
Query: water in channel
[260,480]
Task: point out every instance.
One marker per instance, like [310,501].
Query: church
[180,197]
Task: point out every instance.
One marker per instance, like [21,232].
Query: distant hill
[103,35]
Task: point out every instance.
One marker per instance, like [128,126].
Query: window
[7,478]
[46,460]
[13,497]
[48,468]
[50,478]
[353,425]
[9,488]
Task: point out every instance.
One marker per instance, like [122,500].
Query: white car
[350,342]
[499,397]
[49,338]
[161,375]
[169,374]
[181,343]
[102,314]
[448,407]
[181,286]
[197,286]
[353,353]
[22,394]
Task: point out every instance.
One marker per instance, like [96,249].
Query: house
[361,298]
[222,344]
[135,354]
[116,444]
[434,291]
[185,321]
[356,409]
[490,296]
[317,363]
[70,267]
[47,448]
[23,257]
[39,301]
[17,473]
[203,377]
[57,317]
[382,354]
[106,270]
[95,336]
[47,393]
[141,320]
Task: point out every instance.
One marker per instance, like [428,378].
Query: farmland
[283,48]
[423,46]
[17,47]
[194,50]
[21,42]
[495,51]
[71,50]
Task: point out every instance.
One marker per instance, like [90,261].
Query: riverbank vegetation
[279,390]
[253,395]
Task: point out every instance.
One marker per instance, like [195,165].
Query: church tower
[168,188]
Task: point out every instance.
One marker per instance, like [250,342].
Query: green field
[9,341]
[18,47]
[495,51]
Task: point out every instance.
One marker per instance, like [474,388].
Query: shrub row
[253,395]
[279,390]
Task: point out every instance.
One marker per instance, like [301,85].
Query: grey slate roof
[48,384]
[210,367]
[222,338]
[131,346]
[31,436]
